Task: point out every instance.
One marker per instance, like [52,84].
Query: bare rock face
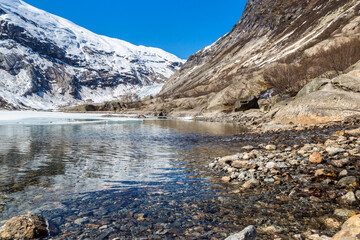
[24,227]
[350,230]
[333,101]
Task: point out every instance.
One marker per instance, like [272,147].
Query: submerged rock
[334,150]
[24,227]
[349,181]
[348,198]
[316,158]
[249,233]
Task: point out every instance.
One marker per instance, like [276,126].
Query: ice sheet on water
[45,118]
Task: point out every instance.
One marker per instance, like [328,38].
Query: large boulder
[24,227]
[333,101]
[350,230]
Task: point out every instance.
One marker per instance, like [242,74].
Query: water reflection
[199,127]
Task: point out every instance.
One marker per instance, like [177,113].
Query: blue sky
[180,27]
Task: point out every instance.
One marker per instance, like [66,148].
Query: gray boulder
[334,101]
[249,233]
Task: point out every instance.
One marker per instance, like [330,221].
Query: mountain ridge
[69,63]
[232,68]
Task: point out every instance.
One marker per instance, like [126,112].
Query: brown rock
[331,223]
[247,185]
[226,179]
[316,158]
[324,173]
[226,160]
[350,230]
[242,164]
[24,227]
[270,147]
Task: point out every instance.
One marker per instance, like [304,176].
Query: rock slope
[47,61]
[231,68]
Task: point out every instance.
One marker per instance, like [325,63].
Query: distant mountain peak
[47,61]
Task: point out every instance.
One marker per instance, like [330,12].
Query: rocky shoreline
[297,183]
[314,169]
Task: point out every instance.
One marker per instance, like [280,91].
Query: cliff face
[47,61]
[269,30]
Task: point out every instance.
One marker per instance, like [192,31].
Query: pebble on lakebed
[313,172]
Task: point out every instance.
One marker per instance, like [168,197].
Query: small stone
[281,165]
[250,184]
[327,182]
[270,165]
[344,213]
[343,173]
[357,194]
[348,199]
[249,233]
[272,229]
[269,180]
[331,223]
[249,148]
[81,221]
[314,199]
[226,160]
[301,152]
[339,163]
[297,237]
[324,173]
[329,143]
[316,158]
[334,150]
[294,162]
[310,236]
[246,156]
[212,165]
[270,147]
[234,175]
[226,179]
[247,185]
[24,227]
[349,181]
[242,164]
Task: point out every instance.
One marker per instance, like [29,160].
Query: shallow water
[102,179]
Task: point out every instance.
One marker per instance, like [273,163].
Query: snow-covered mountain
[47,61]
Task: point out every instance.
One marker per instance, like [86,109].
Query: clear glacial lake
[116,178]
